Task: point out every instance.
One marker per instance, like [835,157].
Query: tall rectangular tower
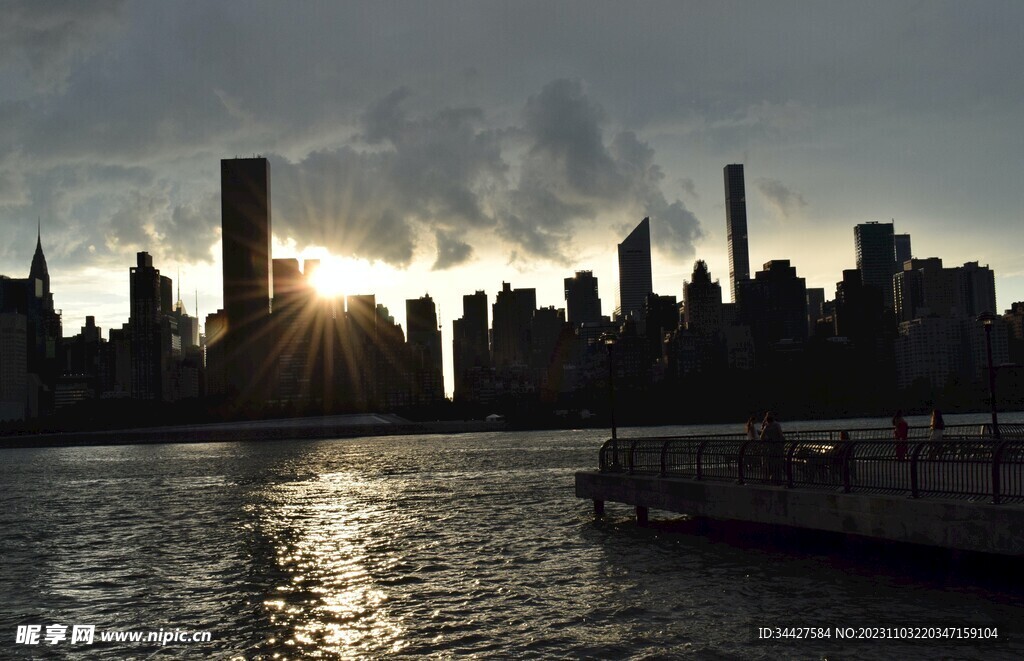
[903,252]
[876,257]
[736,227]
[582,301]
[146,311]
[245,235]
[424,339]
[635,280]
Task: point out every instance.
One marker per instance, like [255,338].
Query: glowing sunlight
[334,277]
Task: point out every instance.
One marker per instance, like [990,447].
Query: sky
[446,147]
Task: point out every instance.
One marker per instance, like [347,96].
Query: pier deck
[965,492]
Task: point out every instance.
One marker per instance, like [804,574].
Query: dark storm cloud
[397,128]
[571,175]
[565,127]
[451,251]
[370,200]
[781,197]
[47,38]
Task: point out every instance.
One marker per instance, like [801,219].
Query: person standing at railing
[900,431]
[751,432]
[937,426]
[771,432]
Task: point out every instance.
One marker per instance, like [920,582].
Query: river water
[444,546]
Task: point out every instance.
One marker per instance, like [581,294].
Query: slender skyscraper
[903,251]
[736,227]
[146,310]
[245,234]
[635,281]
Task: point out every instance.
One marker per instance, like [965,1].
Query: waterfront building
[245,237]
[362,352]
[581,298]
[933,349]
[774,305]
[978,287]
[926,288]
[1014,320]
[635,279]
[876,257]
[13,366]
[736,227]
[116,364]
[215,331]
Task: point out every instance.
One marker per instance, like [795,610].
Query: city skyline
[438,163]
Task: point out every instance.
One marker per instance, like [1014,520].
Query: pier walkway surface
[964,492]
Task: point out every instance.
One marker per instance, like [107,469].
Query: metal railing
[959,466]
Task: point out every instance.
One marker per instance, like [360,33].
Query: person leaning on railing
[900,431]
[937,428]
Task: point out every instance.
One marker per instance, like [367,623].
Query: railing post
[664,450]
[700,457]
[913,468]
[739,466]
[632,457]
[996,457]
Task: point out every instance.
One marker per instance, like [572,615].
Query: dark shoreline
[315,428]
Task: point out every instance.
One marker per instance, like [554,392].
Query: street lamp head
[987,318]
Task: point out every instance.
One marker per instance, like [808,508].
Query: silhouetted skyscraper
[581,299]
[13,366]
[901,242]
[815,300]
[774,304]
[470,349]
[736,227]
[635,280]
[512,315]
[146,313]
[876,257]
[245,235]
[702,302]
[424,338]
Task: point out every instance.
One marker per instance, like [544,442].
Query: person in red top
[900,430]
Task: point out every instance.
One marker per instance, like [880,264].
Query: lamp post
[609,343]
[987,318]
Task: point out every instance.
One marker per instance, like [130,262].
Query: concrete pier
[968,525]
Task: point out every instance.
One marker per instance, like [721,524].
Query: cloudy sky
[446,147]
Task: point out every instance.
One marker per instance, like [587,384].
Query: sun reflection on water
[327,537]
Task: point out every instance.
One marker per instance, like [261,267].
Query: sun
[335,277]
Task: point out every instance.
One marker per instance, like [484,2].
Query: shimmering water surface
[468,544]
